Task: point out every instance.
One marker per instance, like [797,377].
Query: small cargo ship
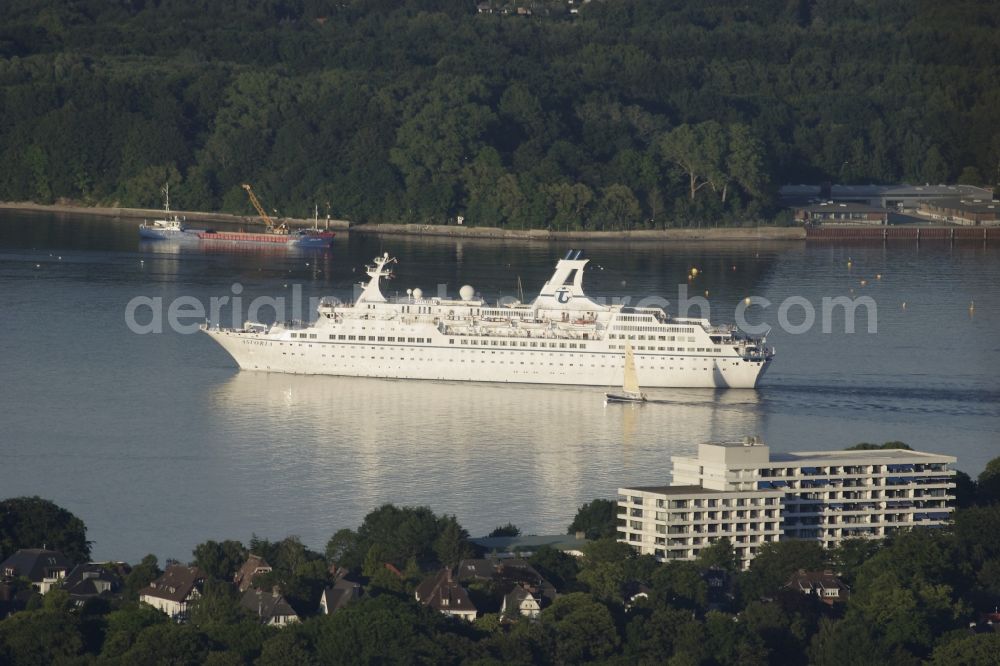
[274,234]
[279,235]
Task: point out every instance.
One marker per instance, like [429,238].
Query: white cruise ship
[561,337]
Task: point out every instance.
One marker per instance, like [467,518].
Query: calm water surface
[158,443]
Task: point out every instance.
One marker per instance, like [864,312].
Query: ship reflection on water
[486,452]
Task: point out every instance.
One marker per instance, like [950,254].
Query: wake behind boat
[561,337]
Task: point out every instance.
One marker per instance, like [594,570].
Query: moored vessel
[273,234]
[171,227]
[561,337]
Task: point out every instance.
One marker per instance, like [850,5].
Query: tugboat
[630,384]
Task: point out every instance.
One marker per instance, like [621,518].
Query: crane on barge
[271,226]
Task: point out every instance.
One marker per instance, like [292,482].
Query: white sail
[631,382]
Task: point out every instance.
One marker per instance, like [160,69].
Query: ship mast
[372,292]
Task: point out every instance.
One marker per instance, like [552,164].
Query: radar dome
[466,293]
[418,293]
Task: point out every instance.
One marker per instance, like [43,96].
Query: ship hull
[441,361]
[152,233]
[319,239]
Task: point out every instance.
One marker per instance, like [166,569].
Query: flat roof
[902,189]
[668,490]
[970,204]
[695,490]
[842,207]
[530,542]
[826,457]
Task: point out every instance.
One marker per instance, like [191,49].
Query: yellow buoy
[694,272]
[878,276]
[747,300]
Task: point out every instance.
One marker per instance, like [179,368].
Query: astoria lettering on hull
[561,337]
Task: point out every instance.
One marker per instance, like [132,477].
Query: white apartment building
[741,491]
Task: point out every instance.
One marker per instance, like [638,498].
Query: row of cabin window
[533,343]
[379,338]
[669,349]
[653,329]
[662,338]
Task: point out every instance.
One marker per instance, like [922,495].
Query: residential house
[174,591]
[824,584]
[254,566]
[44,568]
[338,595]
[523,601]
[92,580]
[507,575]
[445,595]
[271,608]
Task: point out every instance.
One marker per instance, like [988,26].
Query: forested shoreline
[627,115]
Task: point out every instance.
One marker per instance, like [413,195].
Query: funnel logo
[562,295]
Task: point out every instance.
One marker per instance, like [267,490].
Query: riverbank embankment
[707,234]
[454,231]
[158,213]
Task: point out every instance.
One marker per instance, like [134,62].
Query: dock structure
[907,232]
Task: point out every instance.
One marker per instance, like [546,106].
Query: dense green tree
[125,625]
[556,566]
[419,112]
[866,446]
[44,636]
[385,629]
[988,483]
[597,519]
[343,549]
[719,555]
[220,560]
[140,576]
[508,530]
[580,628]
[774,564]
[851,554]
[168,643]
[32,522]
[452,544]
[974,649]
[681,585]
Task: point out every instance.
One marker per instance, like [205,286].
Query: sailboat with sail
[630,384]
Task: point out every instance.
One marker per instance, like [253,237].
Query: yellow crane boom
[260,209]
